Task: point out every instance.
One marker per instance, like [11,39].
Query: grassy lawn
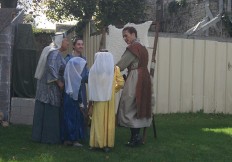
[181,137]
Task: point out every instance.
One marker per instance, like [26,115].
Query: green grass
[181,137]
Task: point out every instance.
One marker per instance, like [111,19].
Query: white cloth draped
[72,76]
[57,42]
[115,43]
[101,77]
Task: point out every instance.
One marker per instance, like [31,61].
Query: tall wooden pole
[159,15]
[102,45]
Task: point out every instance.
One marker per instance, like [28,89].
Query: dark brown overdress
[143,88]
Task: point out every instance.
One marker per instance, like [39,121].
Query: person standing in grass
[134,109]
[78,48]
[74,126]
[104,81]
[50,84]
[74,130]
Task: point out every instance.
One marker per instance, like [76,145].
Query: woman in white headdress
[104,81]
[74,133]
[50,84]
[74,124]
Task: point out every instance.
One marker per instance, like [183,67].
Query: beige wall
[193,75]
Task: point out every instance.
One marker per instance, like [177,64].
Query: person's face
[128,38]
[65,44]
[79,46]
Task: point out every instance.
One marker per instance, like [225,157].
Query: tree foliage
[227,22]
[103,12]
[174,6]
[60,10]
[119,12]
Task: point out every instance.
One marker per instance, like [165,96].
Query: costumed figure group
[61,108]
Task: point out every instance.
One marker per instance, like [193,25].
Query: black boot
[132,136]
[135,138]
[138,139]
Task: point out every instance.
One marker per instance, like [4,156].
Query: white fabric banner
[115,43]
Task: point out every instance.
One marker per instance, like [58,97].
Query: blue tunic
[75,128]
[84,75]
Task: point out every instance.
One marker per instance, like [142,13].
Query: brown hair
[131,30]
[75,40]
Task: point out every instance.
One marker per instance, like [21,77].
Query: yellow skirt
[102,132]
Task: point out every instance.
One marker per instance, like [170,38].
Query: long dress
[102,131]
[127,112]
[84,80]
[46,121]
[74,127]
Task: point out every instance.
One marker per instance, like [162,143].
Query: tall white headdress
[101,77]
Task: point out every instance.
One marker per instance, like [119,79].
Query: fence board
[198,75]
[175,75]
[163,75]
[186,77]
[229,79]
[220,78]
[209,77]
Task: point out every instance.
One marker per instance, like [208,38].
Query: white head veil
[101,77]
[57,42]
[72,76]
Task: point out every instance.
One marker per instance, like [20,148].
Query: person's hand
[81,105]
[90,110]
[60,84]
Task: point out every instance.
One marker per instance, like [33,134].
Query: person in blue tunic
[75,126]
[78,47]
[50,85]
